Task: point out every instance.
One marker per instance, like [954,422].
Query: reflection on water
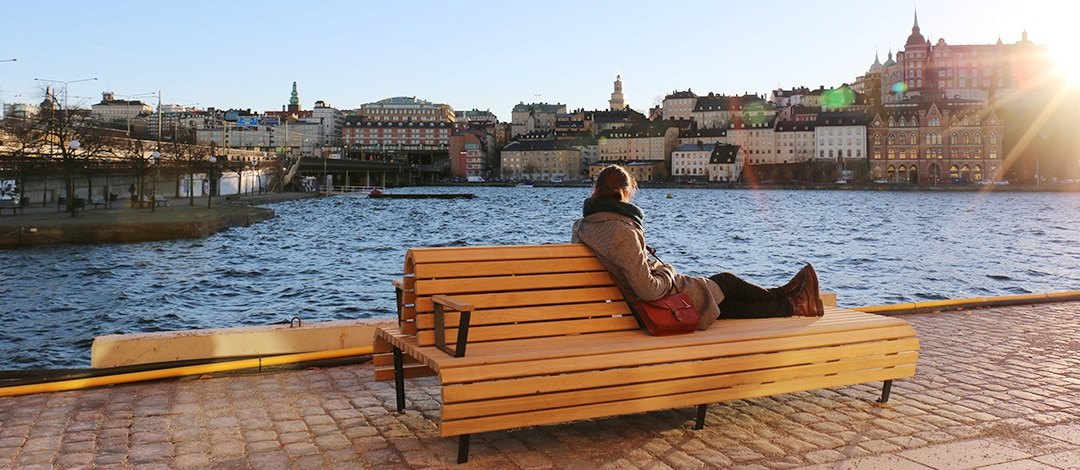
[333,258]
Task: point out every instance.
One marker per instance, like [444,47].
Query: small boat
[525,184]
[382,195]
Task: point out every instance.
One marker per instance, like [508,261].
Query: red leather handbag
[670,315]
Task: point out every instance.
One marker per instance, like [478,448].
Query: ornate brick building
[929,141]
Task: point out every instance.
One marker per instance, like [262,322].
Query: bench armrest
[465,308]
[399,287]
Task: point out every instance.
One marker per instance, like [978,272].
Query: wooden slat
[493,253]
[528,386]
[524,315]
[620,349]
[470,285]
[493,423]
[618,392]
[535,330]
[521,299]
[508,268]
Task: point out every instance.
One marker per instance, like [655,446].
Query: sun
[1067,62]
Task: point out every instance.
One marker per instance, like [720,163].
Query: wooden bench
[529,335]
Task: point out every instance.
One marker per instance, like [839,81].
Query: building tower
[294,100]
[616,102]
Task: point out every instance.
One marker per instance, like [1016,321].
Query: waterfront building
[406,109]
[541,160]
[692,161]
[113,110]
[646,171]
[330,121]
[527,118]
[714,111]
[755,138]
[795,141]
[786,98]
[679,105]
[840,136]
[725,164]
[470,151]
[617,101]
[474,118]
[989,73]
[928,140]
[383,136]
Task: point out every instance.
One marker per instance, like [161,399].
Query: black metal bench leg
[885,392]
[463,448]
[399,379]
[700,424]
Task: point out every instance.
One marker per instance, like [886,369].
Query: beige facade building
[528,118]
[691,161]
[111,109]
[679,105]
[406,109]
[541,160]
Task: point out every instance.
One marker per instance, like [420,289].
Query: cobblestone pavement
[995,388]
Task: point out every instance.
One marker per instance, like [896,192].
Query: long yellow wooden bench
[529,335]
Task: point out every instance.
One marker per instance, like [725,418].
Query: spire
[916,38]
[294,100]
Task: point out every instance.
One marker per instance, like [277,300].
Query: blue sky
[488,55]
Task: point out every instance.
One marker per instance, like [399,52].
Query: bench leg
[399,379]
[463,448]
[885,392]
[700,424]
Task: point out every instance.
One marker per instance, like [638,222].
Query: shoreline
[121,224]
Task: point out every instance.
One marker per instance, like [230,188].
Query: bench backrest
[516,291]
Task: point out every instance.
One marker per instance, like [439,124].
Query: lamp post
[254,176]
[210,182]
[155,161]
[66,83]
[73,145]
[108,192]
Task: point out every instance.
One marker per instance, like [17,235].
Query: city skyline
[488,56]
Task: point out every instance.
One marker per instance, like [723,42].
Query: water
[333,258]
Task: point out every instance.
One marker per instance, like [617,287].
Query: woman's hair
[612,182]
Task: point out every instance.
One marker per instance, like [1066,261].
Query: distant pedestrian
[131,190]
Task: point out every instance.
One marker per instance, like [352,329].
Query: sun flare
[1066,62]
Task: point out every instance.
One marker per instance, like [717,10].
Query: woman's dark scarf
[609,205]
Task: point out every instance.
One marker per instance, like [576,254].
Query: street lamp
[66,83]
[155,161]
[210,182]
[254,176]
[108,191]
[70,193]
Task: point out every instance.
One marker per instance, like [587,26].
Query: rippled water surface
[333,258]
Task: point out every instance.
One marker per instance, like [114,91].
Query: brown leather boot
[796,283]
[807,301]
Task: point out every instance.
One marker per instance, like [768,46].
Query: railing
[352,189]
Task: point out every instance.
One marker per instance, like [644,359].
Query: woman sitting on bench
[614,228]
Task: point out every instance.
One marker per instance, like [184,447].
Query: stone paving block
[964,454]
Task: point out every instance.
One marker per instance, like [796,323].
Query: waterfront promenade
[995,388]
